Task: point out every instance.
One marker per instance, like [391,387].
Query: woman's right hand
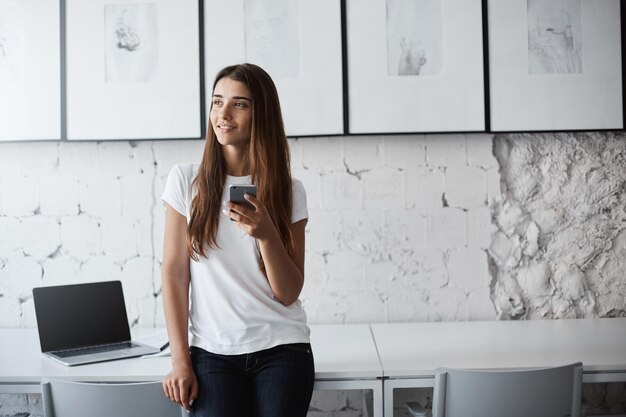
[181,386]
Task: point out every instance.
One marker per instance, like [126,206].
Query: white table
[378,357]
[410,352]
[345,358]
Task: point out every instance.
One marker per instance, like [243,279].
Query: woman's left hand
[255,222]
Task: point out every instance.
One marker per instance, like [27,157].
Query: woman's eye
[216,102]
[240,105]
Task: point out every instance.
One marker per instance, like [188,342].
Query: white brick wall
[425,187]
[466,187]
[401,228]
[446,150]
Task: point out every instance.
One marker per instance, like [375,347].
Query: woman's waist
[254,337]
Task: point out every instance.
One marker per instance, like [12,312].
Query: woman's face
[231,112]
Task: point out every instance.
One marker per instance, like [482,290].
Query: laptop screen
[73,316]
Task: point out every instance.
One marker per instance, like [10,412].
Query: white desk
[380,357]
[410,352]
[345,358]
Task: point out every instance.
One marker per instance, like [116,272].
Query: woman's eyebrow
[234,97]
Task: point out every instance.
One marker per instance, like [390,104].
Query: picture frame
[30,70]
[133,70]
[426,56]
[284,37]
[555,65]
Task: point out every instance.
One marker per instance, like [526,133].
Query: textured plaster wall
[402,228]
[560,248]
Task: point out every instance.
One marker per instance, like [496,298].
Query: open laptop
[85,323]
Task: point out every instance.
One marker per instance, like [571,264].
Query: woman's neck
[234,162]
[240,173]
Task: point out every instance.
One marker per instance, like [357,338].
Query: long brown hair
[267,162]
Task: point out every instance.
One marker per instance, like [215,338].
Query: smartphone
[236,193]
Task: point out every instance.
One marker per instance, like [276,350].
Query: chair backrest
[543,392]
[81,399]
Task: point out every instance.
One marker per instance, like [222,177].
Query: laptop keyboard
[95,349]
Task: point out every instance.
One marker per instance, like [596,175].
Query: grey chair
[542,392]
[82,399]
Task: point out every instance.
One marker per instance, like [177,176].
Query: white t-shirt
[233,310]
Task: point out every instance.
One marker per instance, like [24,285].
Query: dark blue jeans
[276,382]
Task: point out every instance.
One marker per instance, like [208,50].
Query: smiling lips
[225,127]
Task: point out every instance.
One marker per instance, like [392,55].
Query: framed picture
[415,66]
[30,70]
[555,65]
[298,42]
[133,69]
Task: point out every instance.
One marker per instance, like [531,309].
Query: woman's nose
[224,114]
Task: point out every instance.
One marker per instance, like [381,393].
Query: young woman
[235,273]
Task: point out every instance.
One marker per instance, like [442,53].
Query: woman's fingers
[175,392]
[256,223]
[166,390]
[253,200]
[181,389]
[230,209]
[193,392]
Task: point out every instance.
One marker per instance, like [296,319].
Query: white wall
[402,228]
[382,245]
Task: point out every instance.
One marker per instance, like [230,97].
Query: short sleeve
[176,190]
[299,209]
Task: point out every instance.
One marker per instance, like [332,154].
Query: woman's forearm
[176,309]
[285,278]
[285,274]
[175,285]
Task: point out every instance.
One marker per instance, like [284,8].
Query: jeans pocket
[195,351]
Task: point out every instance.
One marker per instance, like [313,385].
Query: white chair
[81,399]
[543,392]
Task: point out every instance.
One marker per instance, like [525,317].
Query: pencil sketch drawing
[554,37]
[272,36]
[131,42]
[11,48]
[414,37]
[127,38]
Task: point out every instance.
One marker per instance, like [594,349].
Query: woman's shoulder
[296,183]
[299,207]
[186,171]
[297,186]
